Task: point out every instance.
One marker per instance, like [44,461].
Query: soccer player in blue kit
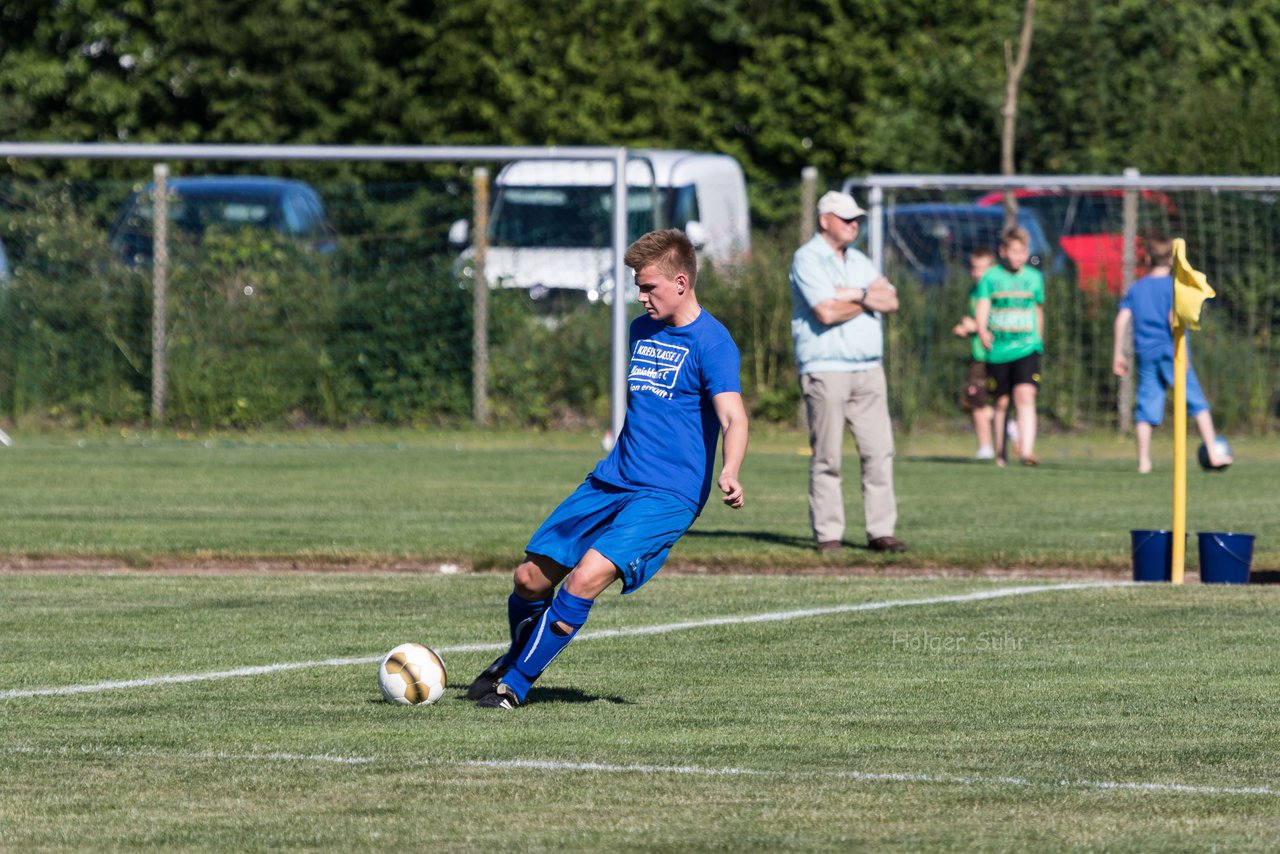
[683,392]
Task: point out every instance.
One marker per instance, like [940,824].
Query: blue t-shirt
[1151,300]
[669,438]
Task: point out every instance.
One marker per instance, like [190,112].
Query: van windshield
[578,217]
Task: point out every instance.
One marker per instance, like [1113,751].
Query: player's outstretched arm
[733,426]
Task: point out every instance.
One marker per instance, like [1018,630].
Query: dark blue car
[288,207]
[932,240]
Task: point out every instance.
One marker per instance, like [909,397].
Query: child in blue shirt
[1148,304]
[683,393]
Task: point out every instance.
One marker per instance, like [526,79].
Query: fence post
[808,202]
[1128,264]
[159,293]
[480,301]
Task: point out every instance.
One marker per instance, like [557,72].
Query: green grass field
[780,700]
[928,714]
[414,498]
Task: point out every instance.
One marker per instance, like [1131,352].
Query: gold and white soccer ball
[412,674]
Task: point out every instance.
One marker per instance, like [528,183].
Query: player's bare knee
[588,585]
[530,582]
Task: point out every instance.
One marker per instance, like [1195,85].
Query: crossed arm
[878,296]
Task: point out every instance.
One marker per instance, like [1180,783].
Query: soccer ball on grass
[1221,446]
[412,674]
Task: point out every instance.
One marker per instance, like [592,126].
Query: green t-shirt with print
[1014,321]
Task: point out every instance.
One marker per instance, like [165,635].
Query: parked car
[551,227]
[1088,227]
[288,207]
[933,240]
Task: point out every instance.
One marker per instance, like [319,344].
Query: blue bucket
[1152,555]
[1225,558]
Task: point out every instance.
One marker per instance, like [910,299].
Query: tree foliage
[1168,86]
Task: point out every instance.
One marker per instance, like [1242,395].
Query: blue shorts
[1155,378]
[634,529]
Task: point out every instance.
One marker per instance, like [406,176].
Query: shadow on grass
[805,544]
[1100,464]
[937,458]
[572,695]
[550,695]
[787,540]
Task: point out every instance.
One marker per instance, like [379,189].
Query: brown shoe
[828,546]
[887,544]
[1031,460]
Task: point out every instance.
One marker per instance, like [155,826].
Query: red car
[1088,226]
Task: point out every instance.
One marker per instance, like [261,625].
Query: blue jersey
[1151,300]
[669,439]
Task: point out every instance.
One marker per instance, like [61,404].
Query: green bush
[405,340]
[74,334]
[549,369]
[753,299]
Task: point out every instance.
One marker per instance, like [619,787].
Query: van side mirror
[696,232]
[459,233]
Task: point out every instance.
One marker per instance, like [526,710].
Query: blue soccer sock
[547,640]
[519,612]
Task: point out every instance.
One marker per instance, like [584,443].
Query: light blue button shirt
[854,345]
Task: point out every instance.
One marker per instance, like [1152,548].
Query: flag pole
[1179,452]
[1190,290]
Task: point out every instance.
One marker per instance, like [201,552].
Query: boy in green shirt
[1010,317]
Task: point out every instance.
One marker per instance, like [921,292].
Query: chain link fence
[370,318]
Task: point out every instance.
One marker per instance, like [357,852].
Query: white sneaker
[1011,430]
[985,453]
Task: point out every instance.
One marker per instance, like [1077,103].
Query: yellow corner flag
[1190,288]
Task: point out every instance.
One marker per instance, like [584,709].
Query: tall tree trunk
[1013,76]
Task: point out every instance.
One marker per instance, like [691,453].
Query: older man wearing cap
[837,298]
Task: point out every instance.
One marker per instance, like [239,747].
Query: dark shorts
[1003,376]
[973,394]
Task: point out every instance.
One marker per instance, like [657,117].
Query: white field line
[667,628]
[558,767]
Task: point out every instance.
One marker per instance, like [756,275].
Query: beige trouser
[861,400]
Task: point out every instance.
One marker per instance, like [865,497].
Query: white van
[552,221]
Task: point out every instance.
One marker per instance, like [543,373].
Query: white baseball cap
[840,204]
